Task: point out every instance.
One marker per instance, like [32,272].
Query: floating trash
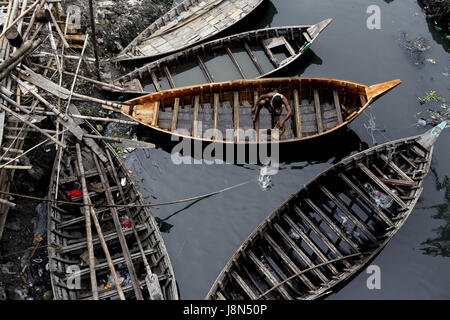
[379,198]
[415,48]
[433,61]
[294,235]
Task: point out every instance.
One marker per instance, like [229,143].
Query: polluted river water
[201,236]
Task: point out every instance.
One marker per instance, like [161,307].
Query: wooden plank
[169,77]
[243,285]
[265,272]
[385,188]
[300,252]
[350,215]
[318,111]
[155,114]
[307,37]
[331,224]
[298,122]
[283,256]
[338,107]
[310,243]
[204,69]
[396,182]
[216,112]
[365,199]
[236,115]
[155,81]
[253,58]
[324,239]
[235,62]
[255,98]
[270,55]
[394,167]
[176,108]
[407,160]
[195,117]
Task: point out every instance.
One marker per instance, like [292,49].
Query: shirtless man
[274,103]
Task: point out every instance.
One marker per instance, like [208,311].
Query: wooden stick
[88,225]
[31,124]
[105,119]
[32,21]
[7,203]
[58,29]
[20,17]
[94,39]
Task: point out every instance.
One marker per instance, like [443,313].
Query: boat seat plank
[155,81]
[298,122]
[235,62]
[236,115]
[195,129]
[253,58]
[318,111]
[270,55]
[216,111]
[243,285]
[176,108]
[204,69]
[394,167]
[337,106]
[169,77]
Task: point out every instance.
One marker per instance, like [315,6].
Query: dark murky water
[201,236]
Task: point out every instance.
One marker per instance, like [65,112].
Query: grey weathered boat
[190,22]
[108,182]
[221,112]
[331,228]
[252,54]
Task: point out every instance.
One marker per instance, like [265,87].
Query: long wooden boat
[331,228]
[320,106]
[189,23]
[252,54]
[108,182]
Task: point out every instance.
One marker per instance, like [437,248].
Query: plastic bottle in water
[381,200]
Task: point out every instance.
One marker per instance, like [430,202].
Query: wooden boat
[253,54]
[331,228]
[108,182]
[190,22]
[320,106]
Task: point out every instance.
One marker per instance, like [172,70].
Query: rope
[125,205]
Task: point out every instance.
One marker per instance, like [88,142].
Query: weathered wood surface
[66,232]
[311,99]
[188,23]
[189,59]
[330,229]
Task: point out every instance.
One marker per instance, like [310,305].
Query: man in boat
[274,102]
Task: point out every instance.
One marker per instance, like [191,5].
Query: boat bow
[377,90]
[428,139]
[316,29]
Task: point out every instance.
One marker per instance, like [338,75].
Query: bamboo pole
[20,18]
[31,124]
[94,39]
[88,225]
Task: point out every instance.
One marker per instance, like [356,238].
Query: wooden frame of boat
[332,227]
[190,22]
[108,182]
[293,40]
[319,105]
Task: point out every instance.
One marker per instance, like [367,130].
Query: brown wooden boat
[134,245]
[252,54]
[320,106]
[331,228]
[189,23]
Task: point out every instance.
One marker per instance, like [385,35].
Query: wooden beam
[331,224]
[216,111]
[243,285]
[204,69]
[385,188]
[338,107]
[235,62]
[195,118]
[236,115]
[155,81]
[284,257]
[298,121]
[350,215]
[169,77]
[318,111]
[257,122]
[176,108]
[270,56]
[365,199]
[394,167]
[155,114]
[253,58]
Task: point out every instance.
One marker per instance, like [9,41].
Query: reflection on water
[440,245]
